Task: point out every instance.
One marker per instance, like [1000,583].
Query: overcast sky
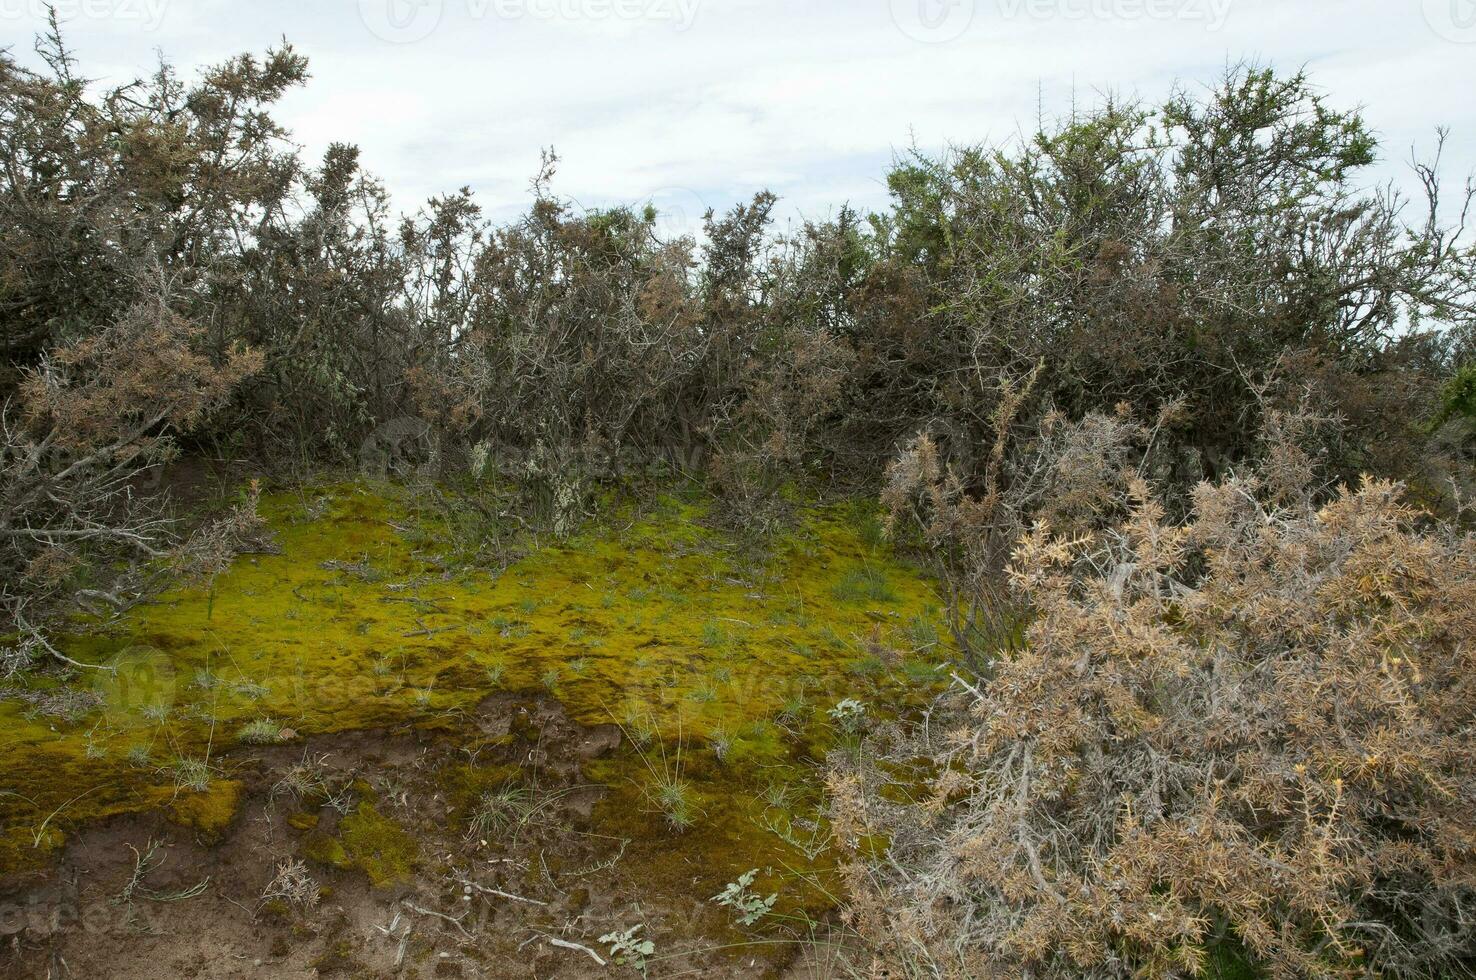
[696,103]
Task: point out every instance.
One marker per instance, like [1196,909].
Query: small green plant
[922,633]
[747,906]
[626,949]
[91,747]
[262,731]
[138,755]
[864,584]
[191,774]
[713,635]
[250,690]
[503,812]
[674,797]
[550,679]
[579,666]
[831,638]
[918,672]
[806,835]
[495,675]
[640,730]
[307,778]
[794,709]
[779,796]
[849,715]
[668,792]
[722,743]
[675,597]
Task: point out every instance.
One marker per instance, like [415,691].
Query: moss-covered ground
[722,661]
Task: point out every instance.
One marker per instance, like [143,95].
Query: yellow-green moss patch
[208,813]
[377,846]
[697,644]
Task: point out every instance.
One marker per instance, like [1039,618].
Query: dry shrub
[117,387]
[241,530]
[92,417]
[293,887]
[768,438]
[1073,475]
[1249,730]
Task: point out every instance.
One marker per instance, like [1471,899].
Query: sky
[691,104]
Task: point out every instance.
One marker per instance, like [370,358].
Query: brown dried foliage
[94,415]
[1249,730]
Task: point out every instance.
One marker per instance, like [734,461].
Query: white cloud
[808,98]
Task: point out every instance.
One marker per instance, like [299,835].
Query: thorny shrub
[1072,474]
[1243,734]
[91,417]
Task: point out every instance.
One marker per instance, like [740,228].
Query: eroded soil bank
[466,771]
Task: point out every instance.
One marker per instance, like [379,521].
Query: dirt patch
[477,849]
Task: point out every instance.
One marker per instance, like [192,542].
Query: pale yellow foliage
[1250,727]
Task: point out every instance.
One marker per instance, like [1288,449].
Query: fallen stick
[439,915]
[565,944]
[427,631]
[500,893]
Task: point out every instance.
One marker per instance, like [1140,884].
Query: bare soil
[531,903]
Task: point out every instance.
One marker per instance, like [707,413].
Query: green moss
[275,910]
[208,813]
[676,630]
[323,849]
[303,820]
[866,583]
[377,846]
[337,958]
[466,785]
